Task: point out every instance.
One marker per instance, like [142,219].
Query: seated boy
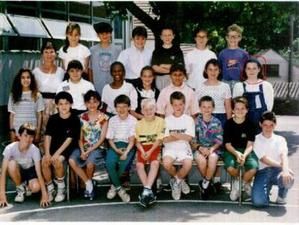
[209,136]
[22,162]
[121,137]
[272,152]
[61,138]
[149,135]
[179,131]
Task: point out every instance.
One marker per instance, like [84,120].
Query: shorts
[154,156]
[178,155]
[28,174]
[96,157]
[251,161]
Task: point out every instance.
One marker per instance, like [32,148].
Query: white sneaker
[111,193]
[60,192]
[123,195]
[247,188]
[51,191]
[185,187]
[281,201]
[28,191]
[176,189]
[234,194]
[20,194]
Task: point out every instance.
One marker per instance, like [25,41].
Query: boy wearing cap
[102,56]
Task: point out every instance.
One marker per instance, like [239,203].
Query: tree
[265,23]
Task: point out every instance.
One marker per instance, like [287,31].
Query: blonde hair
[236,28]
[149,102]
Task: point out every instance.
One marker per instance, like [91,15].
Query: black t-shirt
[173,55]
[60,129]
[238,134]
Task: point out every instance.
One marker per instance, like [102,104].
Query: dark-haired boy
[61,138]
[102,56]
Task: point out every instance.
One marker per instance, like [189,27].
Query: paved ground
[189,209]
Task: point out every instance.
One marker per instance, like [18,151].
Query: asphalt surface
[190,208]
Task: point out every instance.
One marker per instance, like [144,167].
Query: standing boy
[61,138]
[102,56]
[22,162]
[137,56]
[179,131]
[272,151]
[233,58]
[149,135]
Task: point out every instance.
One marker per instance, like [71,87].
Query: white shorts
[178,155]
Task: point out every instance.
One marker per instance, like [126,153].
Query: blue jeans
[263,182]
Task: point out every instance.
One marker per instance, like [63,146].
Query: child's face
[178,106]
[139,42]
[117,73]
[149,111]
[92,104]
[268,127]
[252,70]
[49,55]
[240,110]
[25,80]
[177,78]
[122,110]
[201,40]
[104,37]
[73,37]
[233,38]
[26,139]
[75,74]
[213,71]
[147,77]
[206,108]
[64,106]
[167,36]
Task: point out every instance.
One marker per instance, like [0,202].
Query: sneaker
[143,201]
[151,198]
[20,194]
[51,191]
[204,192]
[176,189]
[281,201]
[126,186]
[185,187]
[123,195]
[111,193]
[28,191]
[60,196]
[247,189]
[234,194]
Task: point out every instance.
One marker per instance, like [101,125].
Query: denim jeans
[263,182]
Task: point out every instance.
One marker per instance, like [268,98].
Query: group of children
[146,106]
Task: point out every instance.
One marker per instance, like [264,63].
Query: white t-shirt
[109,94]
[267,89]
[48,82]
[272,147]
[80,52]
[219,93]
[183,124]
[25,159]
[195,62]
[77,90]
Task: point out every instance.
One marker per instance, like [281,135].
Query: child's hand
[47,159]
[145,156]
[84,155]
[239,157]
[44,202]
[3,202]
[55,157]
[123,156]
[204,151]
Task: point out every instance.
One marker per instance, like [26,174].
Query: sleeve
[76,126]
[10,105]
[40,103]
[179,59]
[86,51]
[188,63]
[283,147]
[132,127]
[36,154]
[61,53]
[137,131]
[91,86]
[269,95]
[194,104]
[133,97]
[218,135]
[110,133]
[258,148]
[238,90]
[250,131]
[123,57]
[7,152]
[155,58]
[190,127]
[166,131]
[50,128]
[227,134]
[161,130]
[227,91]
[161,103]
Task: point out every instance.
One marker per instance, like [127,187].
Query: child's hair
[207,98]
[214,62]
[239,99]
[102,27]
[122,99]
[177,95]
[117,63]
[48,45]
[259,65]
[69,29]
[92,94]
[268,116]
[74,64]
[200,29]
[28,127]
[17,86]
[139,31]
[139,84]
[147,102]
[178,67]
[235,28]
[63,95]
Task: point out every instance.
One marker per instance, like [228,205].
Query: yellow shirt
[147,132]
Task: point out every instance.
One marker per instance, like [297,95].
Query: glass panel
[5,27]
[118,29]
[28,26]
[87,32]
[56,28]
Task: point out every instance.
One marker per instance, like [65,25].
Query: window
[272,70]
[5,27]
[118,29]
[56,28]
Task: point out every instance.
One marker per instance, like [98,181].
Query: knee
[155,164]
[167,165]
[140,166]
[72,162]
[90,166]
[259,202]
[34,187]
